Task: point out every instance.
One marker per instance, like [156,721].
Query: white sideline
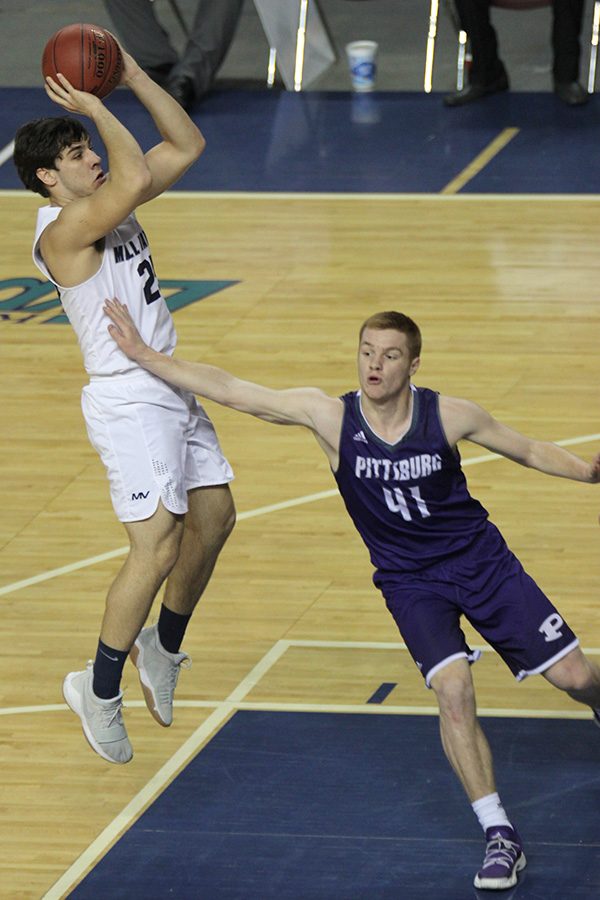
[346,195]
[133,809]
[6,153]
[223,710]
[249,514]
[236,699]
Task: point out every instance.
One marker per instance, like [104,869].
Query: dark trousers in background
[144,37]
[487,66]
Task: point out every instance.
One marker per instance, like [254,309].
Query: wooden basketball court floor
[505,289]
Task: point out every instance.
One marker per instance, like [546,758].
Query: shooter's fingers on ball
[71,98]
[60,86]
[53,85]
[62,98]
[58,94]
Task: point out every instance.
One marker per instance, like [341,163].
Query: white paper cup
[362,61]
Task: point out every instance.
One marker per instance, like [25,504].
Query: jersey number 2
[151,291]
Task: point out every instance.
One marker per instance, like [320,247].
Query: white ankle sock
[490,812]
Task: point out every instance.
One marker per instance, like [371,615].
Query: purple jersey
[409,501]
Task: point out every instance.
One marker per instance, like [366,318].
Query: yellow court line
[480,161]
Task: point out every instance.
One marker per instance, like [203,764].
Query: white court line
[156,784]
[121,551]
[6,154]
[236,698]
[249,514]
[308,195]
[358,708]
[235,701]
[383,645]
[389,710]
[125,818]
[128,704]
[63,570]
[348,195]
[225,708]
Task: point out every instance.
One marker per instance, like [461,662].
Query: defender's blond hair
[397,322]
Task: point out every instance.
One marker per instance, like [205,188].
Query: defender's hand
[123,329]
[595,469]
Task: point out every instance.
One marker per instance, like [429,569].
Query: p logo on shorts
[550,627]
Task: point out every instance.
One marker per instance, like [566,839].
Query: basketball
[87,55]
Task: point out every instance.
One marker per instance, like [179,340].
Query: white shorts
[156,442]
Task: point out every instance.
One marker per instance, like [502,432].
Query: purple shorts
[488,585]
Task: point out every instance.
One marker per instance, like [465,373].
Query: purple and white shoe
[504,857]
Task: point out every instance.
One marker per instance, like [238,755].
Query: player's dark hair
[39,143]
[397,322]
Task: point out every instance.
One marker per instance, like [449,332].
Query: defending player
[392,450]
[168,477]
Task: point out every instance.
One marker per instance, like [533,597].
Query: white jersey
[125,272]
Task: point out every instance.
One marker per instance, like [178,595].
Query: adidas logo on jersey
[360,436]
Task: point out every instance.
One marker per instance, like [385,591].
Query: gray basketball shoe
[101,720]
[158,670]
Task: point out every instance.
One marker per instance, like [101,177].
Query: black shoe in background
[476,91]
[571,93]
[160,74]
[181,88]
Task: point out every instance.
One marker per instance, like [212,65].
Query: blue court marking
[383,691]
[343,142]
[554,152]
[315,806]
[32,298]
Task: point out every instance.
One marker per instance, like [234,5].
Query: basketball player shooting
[168,478]
[392,448]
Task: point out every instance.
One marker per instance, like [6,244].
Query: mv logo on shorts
[140,496]
[550,627]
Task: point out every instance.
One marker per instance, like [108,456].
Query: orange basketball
[87,55]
